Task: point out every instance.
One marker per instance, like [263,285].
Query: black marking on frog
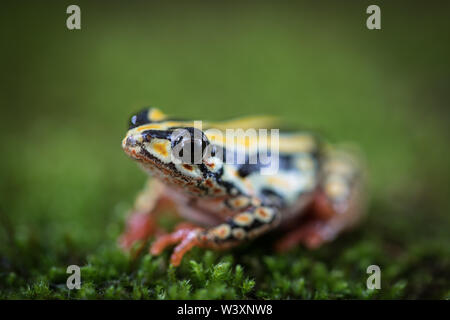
[272,197]
[142,117]
[158,134]
[139,119]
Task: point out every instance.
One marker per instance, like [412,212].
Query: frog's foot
[322,226]
[140,226]
[311,234]
[327,220]
[185,236]
[239,228]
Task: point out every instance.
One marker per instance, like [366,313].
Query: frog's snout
[129,142]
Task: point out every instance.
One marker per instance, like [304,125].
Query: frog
[315,193]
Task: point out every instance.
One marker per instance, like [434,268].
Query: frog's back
[290,181]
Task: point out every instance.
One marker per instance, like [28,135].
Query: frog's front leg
[141,222]
[245,225]
[337,206]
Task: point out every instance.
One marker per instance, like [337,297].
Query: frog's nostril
[130,142]
[135,139]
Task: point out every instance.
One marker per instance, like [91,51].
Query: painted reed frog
[315,192]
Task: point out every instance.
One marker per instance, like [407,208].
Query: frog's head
[171,150]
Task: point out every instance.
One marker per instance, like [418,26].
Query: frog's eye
[139,119]
[189,145]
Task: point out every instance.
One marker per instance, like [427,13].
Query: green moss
[334,272]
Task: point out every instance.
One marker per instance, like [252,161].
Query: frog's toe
[186,238]
[189,241]
[311,235]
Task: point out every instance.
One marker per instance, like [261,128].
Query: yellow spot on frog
[263,214]
[243,219]
[336,188]
[222,231]
[156,115]
[161,148]
[278,182]
[240,202]
[153,126]
[297,143]
[239,233]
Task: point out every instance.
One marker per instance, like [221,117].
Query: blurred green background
[66,97]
